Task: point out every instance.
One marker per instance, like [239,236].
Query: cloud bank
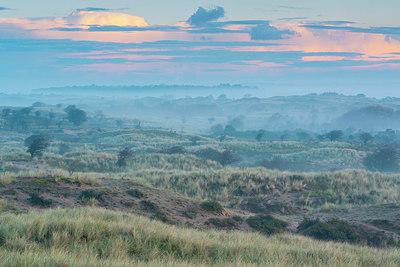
[105,19]
[100,43]
[267,32]
[203,16]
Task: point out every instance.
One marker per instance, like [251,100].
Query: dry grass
[96,237]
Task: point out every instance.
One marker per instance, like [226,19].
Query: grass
[96,237]
[330,190]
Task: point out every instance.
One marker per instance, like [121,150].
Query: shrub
[385,159]
[149,206]
[123,156]
[190,213]
[267,224]
[306,223]
[222,223]
[254,205]
[36,200]
[135,193]
[333,230]
[38,145]
[211,206]
[160,216]
[276,163]
[91,194]
[173,150]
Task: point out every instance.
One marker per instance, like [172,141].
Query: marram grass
[97,237]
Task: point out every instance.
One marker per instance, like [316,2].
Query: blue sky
[284,47]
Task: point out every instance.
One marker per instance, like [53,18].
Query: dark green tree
[385,159]
[259,137]
[365,137]
[38,145]
[334,135]
[123,156]
[76,116]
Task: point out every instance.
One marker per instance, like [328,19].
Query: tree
[365,137]
[76,116]
[120,123]
[259,137]
[229,130]
[385,159]
[173,150]
[276,163]
[69,108]
[6,112]
[64,148]
[222,138]
[217,129]
[194,140]
[28,141]
[123,156]
[52,115]
[334,135]
[38,145]
[226,157]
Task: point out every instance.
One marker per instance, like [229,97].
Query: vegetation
[211,206]
[267,224]
[385,159]
[339,230]
[80,236]
[37,145]
[212,174]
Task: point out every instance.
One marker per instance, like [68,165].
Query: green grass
[96,237]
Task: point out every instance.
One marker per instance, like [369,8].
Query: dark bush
[222,223]
[276,163]
[237,218]
[385,159]
[267,224]
[190,213]
[224,158]
[160,216]
[36,200]
[88,194]
[173,150]
[123,156]
[211,206]
[149,206]
[135,193]
[306,223]
[254,205]
[333,230]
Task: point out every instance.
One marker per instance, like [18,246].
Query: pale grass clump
[97,237]
[4,205]
[7,178]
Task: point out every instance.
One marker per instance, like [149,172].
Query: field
[117,196]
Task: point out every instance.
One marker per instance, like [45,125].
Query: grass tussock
[90,236]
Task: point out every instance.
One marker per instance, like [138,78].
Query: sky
[284,47]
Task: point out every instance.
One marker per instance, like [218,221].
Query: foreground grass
[97,237]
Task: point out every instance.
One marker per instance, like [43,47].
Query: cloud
[97,9]
[372,30]
[203,16]
[90,18]
[267,32]
[4,8]
[293,7]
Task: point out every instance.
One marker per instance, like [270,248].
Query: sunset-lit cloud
[97,40]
